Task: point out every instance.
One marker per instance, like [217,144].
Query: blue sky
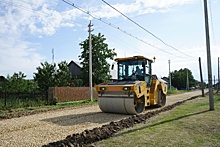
[30,29]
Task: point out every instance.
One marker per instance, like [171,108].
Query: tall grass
[175,91]
[19,103]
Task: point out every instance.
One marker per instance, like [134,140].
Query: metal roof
[132,58]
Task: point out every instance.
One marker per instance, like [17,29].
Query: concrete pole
[214,82]
[200,69]
[90,62]
[170,77]
[218,76]
[209,65]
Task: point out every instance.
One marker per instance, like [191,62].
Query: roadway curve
[51,126]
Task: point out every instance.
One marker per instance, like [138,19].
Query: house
[167,80]
[75,69]
[2,78]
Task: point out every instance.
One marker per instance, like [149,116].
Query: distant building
[2,78]
[167,81]
[75,69]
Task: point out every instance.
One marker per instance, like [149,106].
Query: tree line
[179,79]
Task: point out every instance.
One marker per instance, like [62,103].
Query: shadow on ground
[93,117]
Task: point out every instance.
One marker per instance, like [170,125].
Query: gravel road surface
[39,129]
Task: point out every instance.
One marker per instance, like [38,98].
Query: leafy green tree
[45,76]
[78,82]
[100,54]
[62,76]
[48,76]
[18,83]
[179,78]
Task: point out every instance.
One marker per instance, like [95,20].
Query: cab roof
[133,58]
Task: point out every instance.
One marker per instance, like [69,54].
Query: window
[131,70]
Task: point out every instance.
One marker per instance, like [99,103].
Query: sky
[30,29]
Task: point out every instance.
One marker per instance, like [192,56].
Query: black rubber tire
[140,107]
[161,99]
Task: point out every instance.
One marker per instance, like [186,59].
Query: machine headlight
[126,88]
[102,88]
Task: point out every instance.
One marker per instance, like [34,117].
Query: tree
[179,78]
[45,76]
[100,54]
[17,83]
[62,76]
[48,76]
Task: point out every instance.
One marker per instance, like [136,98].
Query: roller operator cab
[135,88]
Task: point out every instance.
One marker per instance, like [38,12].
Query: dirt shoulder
[51,126]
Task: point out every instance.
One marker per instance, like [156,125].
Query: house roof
[76,62]
[2,78]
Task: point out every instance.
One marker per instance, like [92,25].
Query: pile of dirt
[90,136]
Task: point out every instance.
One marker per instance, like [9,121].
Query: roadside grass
[174,91]
[17,110]
[190,124]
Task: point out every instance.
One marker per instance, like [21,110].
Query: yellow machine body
[131,93]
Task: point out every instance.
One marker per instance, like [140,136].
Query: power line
[116,27]
[145,29]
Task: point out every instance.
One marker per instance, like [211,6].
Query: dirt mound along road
[41,129]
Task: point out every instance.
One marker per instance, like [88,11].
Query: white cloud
[28,17]
[18,55]
[39,18]
[137,7]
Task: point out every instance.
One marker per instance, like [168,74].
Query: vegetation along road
[43,128]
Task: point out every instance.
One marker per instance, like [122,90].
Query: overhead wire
[118,28]
[146,30]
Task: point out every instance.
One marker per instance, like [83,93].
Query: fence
[58,94]
[65,94]
[20,99]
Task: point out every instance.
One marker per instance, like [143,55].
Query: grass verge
[191,124]
[174,91]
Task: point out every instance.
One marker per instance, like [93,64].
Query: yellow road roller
[134,89]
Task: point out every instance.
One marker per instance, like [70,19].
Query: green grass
[191,124]
[19,103]
[174,91]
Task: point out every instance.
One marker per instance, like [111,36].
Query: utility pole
[187,80]
[90,62]
[218,77]
[200,69]
[170,77]
[52,55]
[211,100]
[214,82]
